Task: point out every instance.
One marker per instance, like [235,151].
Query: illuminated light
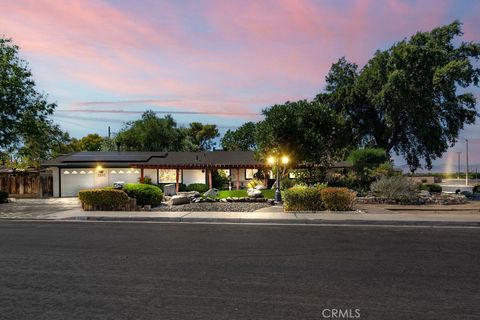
[74,172]
[129,171]
[113,172]
[82,172]
[271,160]
[136,171]
[66,172]
[90,172]
[121,172]
[285,159]
[99,168]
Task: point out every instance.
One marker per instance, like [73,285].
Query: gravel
[216,206]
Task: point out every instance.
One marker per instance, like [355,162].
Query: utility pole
[466,175]
[108,132]
[458,170]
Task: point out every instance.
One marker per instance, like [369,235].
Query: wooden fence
[27,185]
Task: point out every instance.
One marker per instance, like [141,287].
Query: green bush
[146,194]
[337,199]
[103,197]
[432,187]
[3,196]
[476,189]
[394,188]
[302,199]
[200,187]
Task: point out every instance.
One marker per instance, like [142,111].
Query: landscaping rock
[211,193]
[191,194]
[223,200]
[180,199]
[254,193]
[261,187]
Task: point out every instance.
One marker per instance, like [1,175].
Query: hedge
[302,199]
[200,187]
[3,196]
[103,197]
[146,194]
[337,199]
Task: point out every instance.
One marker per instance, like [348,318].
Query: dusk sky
[228,58]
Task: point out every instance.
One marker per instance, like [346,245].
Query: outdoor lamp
[99,168]
[276,161]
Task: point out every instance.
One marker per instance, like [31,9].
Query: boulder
[254,193]
[223,200]
[191,194]
[212,193]
[180,199]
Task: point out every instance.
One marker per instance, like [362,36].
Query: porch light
[99,168]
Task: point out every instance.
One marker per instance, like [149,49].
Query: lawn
[222,194]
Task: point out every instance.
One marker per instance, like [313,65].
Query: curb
[284,221]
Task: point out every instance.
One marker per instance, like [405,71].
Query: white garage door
[74,180]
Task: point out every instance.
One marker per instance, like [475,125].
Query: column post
[238,178]
[177,178]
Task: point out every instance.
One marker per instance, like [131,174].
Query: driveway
[36,208]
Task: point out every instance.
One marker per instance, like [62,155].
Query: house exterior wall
[193,176]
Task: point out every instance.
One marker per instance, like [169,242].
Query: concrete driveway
[36,208]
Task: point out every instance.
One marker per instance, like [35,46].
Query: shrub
[394,188]
[337,199]
[103,197]
[200,187]
[476,189]
[3,196]
[467,194]
[146,194]
[302,199]
[432,187]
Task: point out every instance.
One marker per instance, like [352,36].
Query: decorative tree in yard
[407,99]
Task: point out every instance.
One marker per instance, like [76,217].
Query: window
[249,173]
[169,175]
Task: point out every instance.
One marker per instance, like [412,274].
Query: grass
[222,194]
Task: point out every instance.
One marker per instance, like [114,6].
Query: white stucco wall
[152,174]
[193,176]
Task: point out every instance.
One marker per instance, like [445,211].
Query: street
[86,270]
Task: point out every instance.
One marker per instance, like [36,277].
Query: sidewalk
[379,217]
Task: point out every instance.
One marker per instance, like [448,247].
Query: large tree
[407,99]
[23,110]
[306,131]
[201,136]
[241,139]
[151,133]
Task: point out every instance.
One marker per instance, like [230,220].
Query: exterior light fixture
[276,161]
[99,168]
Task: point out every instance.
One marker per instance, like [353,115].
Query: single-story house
[86,169]
[91,169]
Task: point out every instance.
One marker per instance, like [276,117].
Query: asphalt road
[182,271]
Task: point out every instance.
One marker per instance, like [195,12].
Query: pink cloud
[209,56]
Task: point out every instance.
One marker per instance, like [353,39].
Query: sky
[104,62]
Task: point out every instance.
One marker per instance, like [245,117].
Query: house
[86,169]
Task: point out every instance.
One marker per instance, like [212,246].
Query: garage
[74,180]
